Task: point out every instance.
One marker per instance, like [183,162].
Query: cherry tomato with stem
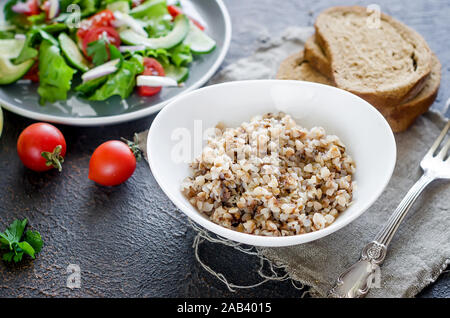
[113,162]
[41,147]
[153,68]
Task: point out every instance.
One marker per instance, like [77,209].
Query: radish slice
[21,7]
[125,19]
[99,71]
[20,36]
[54,9]
[131,48]
[155,81]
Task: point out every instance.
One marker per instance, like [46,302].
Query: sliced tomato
[34,7]
[154,68]
[102,19]
[174,11]
[97,32]
[33,73]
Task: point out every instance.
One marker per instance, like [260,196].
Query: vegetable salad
[106,47]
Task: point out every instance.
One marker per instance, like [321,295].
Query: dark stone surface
[130,240]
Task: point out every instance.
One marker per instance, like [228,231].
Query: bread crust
[385,94]
[399,117]
[315,55]
[295,67]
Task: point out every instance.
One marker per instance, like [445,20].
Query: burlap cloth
[420,251]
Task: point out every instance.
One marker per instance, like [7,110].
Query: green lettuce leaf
[55,76]
[33,38]
[162,55]
[157,17]
[122,82]
[87,88]
[181,55]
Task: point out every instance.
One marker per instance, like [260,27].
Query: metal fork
[356,281]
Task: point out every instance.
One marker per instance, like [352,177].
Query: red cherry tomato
[33,73]
[174,11]
[112,163]
[38,141]
[102,19]
[96,33]
[154,68]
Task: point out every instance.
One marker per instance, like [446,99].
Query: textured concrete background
[130,240]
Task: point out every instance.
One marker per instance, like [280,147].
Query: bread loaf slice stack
[389,65]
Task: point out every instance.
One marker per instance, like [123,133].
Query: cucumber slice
[11,48]
[180,74]
[72,53]
[175,37]
[10,73]
[199,42]
[121,6]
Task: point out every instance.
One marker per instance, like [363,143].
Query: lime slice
[1,121]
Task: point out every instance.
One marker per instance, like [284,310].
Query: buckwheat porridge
[271,177]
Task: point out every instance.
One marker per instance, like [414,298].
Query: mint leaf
[27,248]
[14,232]
[114,53]
[34,239]
[7,257]
[11,240]
[18,257]
[98,51]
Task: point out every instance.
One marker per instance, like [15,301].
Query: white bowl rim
[126,117]
[258,240]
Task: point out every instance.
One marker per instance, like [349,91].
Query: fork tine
[444,150]
[439,140]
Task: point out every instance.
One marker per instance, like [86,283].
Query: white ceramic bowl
[360,126]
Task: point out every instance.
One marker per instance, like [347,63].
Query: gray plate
[22,98]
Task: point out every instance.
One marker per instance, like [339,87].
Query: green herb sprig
[14,243]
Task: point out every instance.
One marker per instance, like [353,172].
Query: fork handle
[386,234]
[357,280]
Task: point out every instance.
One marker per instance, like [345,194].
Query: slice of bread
[402,116]
[399,117]
[385,64]
[295,67]
[315,55]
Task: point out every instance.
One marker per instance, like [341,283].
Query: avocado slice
[10,73]
[176,36]
[10,48]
